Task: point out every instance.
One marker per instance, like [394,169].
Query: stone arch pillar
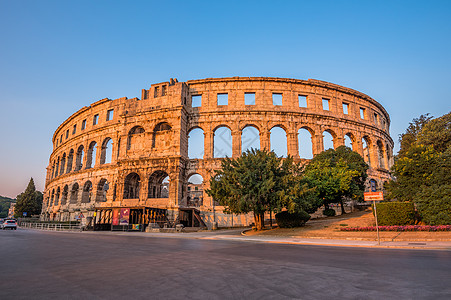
[208,143]
[318,144]
[292,143]
[339,140]
[236,143]
[265,139]
[358,143]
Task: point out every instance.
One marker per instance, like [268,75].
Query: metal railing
[51,226]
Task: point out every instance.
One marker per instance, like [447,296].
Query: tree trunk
[259,220]
[270,218]
[342,207]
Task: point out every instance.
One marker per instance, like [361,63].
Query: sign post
[375,196]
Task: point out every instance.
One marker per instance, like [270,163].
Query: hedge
[289,220]
[395,213]
[401,228]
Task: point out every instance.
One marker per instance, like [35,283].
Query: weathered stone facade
[134,152]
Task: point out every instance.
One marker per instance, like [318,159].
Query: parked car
[9,224]
[1,223]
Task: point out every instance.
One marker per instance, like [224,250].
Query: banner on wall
[124,216]
[116,212]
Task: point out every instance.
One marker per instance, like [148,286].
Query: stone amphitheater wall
[151,137]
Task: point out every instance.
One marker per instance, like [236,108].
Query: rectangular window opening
[223,99]
[249,98]
[362,113]
[83,124]
[346,108]
[156,92]
[95,120]
[163,90]
[67,134]
[325,104]
[196,101]
[302,101]
[277,99]
[109,114]
[376,121]
[74,130]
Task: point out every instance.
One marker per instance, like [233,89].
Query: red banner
[116,216]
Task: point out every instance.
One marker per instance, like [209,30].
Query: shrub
[289,220]
[395,213]
[329,212]
[401,228]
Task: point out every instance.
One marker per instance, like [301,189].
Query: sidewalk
[235,235]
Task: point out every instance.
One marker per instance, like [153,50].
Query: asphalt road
[54,265]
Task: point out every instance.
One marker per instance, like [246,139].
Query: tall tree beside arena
[30,201]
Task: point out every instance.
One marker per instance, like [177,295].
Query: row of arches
[65,164]
[71,195]
[157,187]
[306,141]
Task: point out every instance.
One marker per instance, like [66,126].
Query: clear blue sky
[58,56]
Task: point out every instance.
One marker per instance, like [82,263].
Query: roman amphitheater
[134,162]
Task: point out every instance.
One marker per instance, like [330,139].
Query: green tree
[436,132]
[407,139]
[422,172]
[259,182]
[337,175]
[30,201]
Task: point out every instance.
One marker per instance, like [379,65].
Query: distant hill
[5,203]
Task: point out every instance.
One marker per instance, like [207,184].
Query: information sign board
[373,196]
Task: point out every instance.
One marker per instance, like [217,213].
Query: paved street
[53,265]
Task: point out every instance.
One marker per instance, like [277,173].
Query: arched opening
[161,136]
[91,159]
[389,157]
[63,164]
[132,186]
[70,159]
[195,194]
[52,198]
[366,150]
[278,140]
[348,141]
[57,196]
[133,135]
[79,158]
[87,192]
[196,143]
[373,185]
[305,143]
[222,142]
[158,186]
[380,154]
[328,140]
[107,151]
[64,195]
[57,167]
[250,138]
[74,193]
[102,189]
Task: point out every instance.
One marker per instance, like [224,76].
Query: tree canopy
[30,201]
[259,181]
[422,171]
[337,175]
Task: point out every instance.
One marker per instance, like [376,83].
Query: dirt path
[329,228]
